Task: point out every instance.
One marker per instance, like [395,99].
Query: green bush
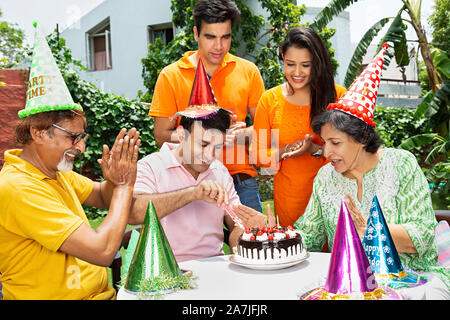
[265,186]
[395,125]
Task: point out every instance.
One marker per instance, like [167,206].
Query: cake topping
[269,233]
[262,236]
[279,235]
[247,235]
[291,232]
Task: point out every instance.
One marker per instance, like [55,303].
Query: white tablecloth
[218,279]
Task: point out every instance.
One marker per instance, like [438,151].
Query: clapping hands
[235,133]
[119,165]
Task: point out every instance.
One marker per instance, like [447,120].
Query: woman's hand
[119,166]
[298,148]
[357,217]
[235,134]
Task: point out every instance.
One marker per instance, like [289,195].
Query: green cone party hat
[154,269]
[47,90]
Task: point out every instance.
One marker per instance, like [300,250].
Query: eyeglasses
[76,137]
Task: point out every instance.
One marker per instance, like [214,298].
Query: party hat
[153,269]
[382,253]
[202,102]
[360,99]
[350,275]
[47,90]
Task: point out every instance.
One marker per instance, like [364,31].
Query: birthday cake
[269,245]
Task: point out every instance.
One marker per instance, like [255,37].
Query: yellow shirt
[37,214]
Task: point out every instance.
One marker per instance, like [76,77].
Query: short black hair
[220,121]
[357,129]
[215,11]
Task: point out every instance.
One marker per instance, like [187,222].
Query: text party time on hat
[360,99]
[47,90]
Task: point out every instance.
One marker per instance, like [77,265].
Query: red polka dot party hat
[361,97]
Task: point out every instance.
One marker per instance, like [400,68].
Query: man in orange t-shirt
[236,83]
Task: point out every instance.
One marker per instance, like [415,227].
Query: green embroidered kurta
[404,196]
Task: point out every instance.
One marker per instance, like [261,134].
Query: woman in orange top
[283,139]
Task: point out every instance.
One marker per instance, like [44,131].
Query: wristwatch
[318,153]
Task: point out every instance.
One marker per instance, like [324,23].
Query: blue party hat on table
[382,253]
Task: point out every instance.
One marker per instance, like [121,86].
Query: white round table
[219,279]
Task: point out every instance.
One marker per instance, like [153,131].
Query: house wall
[340,41]
[129,41]
[12,99]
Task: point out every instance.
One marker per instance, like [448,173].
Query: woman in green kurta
[358,170]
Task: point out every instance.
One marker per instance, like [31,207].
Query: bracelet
[318,153]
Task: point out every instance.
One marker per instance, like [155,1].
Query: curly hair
[42,121]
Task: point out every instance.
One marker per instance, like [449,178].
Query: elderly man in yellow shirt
[48,249]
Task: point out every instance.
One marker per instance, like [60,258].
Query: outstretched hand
[119,165]
[252,218]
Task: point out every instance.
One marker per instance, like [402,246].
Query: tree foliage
[255,38]
[12,48]
[440,23]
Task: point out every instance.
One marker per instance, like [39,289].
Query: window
[98,44]
[163,31]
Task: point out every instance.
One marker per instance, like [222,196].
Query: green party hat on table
[47,90]
[154,269]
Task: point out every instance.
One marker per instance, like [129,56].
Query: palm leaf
[423,106]
[329,12]
[438,109]
[442,62]
[440,100]
[438,148]
[418,141]
[396,35]
[354,66]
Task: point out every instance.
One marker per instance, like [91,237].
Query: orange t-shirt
[294,177]
[237,85]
